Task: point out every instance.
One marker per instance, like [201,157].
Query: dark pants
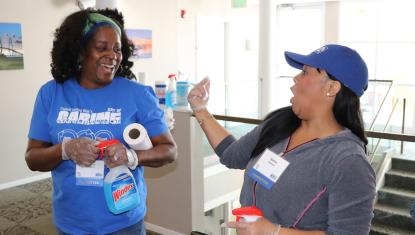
[413,213]
[135,229]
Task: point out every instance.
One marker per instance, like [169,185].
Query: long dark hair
[68,45]
[347,112]
[282,122]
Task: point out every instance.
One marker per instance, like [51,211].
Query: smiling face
[101,59]
[311,90]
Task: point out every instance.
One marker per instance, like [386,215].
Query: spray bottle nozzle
[104,144]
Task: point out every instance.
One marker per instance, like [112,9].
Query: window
[227,52]
[379,31]
[300,29]
[210,58]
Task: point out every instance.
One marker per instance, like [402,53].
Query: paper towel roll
[135,135]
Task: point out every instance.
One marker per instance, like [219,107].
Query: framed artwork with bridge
[11,46]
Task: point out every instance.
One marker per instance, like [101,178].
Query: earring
[327,94]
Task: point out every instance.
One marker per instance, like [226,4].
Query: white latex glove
[199,95]
[82,151]
[259,227]
[116,155]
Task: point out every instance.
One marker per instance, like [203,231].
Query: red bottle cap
[249,210]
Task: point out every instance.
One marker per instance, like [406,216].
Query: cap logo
[321,50]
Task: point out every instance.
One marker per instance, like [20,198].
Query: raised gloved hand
[260,227]
[199,95]
[82,151]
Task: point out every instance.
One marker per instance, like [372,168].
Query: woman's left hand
[260,227]
[116,155]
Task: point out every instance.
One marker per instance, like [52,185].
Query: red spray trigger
[104,144]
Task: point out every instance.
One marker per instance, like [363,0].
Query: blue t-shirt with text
[69,110]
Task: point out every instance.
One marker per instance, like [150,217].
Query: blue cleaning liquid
[120,189]
[171,99]
[171,96]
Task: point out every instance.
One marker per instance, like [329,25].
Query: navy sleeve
[222,146]
[237,153]
[352,191]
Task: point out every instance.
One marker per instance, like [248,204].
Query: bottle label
[182,92]
[161,93]
[123,191]
[162,101]
[173,98]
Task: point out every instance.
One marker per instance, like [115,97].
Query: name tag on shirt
[268,169]
[90,175]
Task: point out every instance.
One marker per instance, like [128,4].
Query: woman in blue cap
[92,98]
[305,165]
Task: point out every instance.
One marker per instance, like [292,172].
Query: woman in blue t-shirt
[92,98]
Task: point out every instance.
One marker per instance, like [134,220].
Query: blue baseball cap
[341,62]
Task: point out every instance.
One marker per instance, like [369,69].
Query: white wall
[187,30]
[39,19]
[161,17]
[19,87]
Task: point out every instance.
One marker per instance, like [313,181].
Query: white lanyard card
[90,175]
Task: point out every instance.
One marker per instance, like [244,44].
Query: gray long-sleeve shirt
[332,172]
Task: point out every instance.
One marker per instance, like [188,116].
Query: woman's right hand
[82,151]
[199,95]
[261,226]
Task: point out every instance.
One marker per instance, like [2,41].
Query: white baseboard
[25,181]
[161,230]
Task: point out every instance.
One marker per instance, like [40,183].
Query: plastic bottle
[160,90]
[171,94]
[120,190]
[182,92]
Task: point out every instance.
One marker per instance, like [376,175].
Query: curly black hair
[68,45]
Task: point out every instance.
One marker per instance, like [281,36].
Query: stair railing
[382,103]
[394,105]
[403,121]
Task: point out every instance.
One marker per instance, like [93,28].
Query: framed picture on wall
[11,46]
[143,43]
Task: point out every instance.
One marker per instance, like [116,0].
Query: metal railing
[383,101]
[370,134]
[394,105]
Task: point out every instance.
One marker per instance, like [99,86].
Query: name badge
[268,169]
[90,175]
